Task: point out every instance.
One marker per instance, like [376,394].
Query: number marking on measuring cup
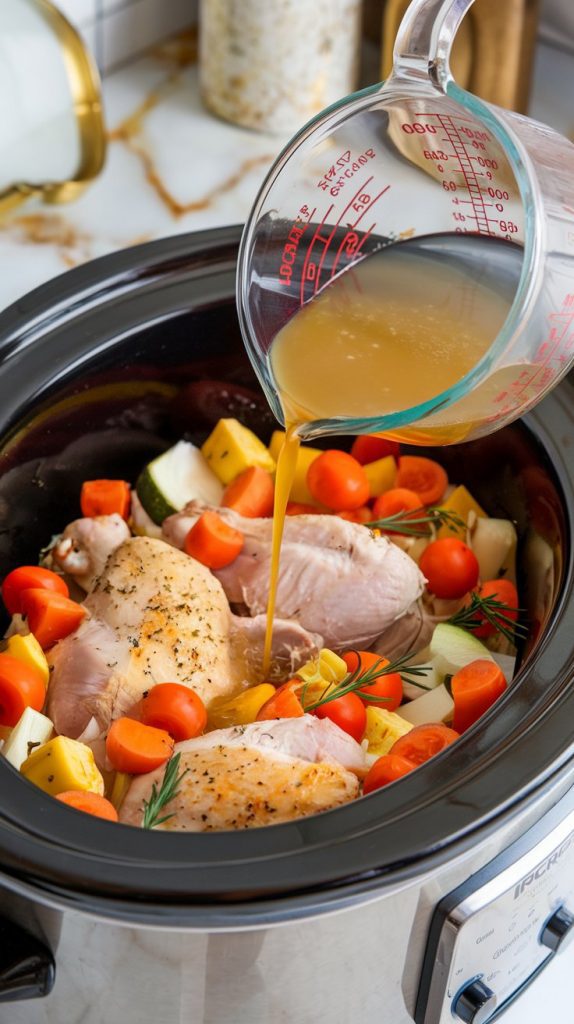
[362,201]
[459,143]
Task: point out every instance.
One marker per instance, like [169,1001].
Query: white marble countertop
[173,167]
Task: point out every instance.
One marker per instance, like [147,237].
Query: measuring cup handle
[424,40]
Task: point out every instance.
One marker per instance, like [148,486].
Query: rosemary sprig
[495,612]
[166,792]
[359,679]
[411,524]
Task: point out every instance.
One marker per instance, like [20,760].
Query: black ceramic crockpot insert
[93,372]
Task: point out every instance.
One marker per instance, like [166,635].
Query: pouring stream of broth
[397,329]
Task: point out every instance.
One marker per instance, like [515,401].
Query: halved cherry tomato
[28,577]
[338,481]
[387,768]
[450,567]
[388,688]
[348,712]
[21,687]
[137,748]
[50,616]
[423,742]
[368,448]
[504,591]
[424,476]
[89,803]
[175,708]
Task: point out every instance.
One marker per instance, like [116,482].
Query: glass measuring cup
[420,159]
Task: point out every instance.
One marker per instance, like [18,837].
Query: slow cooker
[435,900]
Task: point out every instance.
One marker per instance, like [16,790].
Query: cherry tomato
[369,448]
[501,590]
[348,713]
[388,768]
[21,687]
[29,577]
[175,708]
[338,481]
[450,567]
[398,499]
[389,688]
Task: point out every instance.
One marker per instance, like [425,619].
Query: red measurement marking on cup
[360,203]
[466,156]
[551,358]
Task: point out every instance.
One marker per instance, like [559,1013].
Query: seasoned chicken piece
[259,774]
[86,544]
[155,615]
[336,578]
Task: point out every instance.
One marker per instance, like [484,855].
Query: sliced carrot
[298,508]
[21,687]
[357,515]
[369,447]
[137,748]
[104,497]
[423,742]
[50,616]
[424,476]
[474,689]
[251,494]
[213,542]
[283,704]
[90,803]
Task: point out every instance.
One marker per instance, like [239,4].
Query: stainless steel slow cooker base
[360,962]
[327,919]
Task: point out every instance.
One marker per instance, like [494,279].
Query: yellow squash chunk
[119,788]
[231,448]
[240,710]
[305,456]
[63,764]
[327,668]
[462,502]
[28,650]
[383,729]
[381,475]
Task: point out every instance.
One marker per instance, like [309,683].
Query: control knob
[557,929]
[475,1003]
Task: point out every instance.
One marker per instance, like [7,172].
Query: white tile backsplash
[117,30]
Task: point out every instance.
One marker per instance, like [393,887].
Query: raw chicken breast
[254,775]
[156,615]
[336,578]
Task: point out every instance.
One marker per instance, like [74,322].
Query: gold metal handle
[85,89]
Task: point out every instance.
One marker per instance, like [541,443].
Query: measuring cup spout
[424,40]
